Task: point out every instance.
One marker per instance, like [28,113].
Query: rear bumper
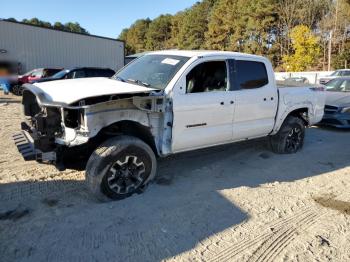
[25,145]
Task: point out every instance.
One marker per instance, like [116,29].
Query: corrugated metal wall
[36,47]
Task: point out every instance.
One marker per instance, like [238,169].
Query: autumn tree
[306,49]
[176,24]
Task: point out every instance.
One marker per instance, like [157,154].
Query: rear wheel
[290,137]
[120,167]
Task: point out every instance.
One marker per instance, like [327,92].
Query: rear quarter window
[251,74]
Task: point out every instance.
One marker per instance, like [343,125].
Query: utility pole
[330,50]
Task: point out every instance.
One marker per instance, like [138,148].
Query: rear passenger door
[256,99]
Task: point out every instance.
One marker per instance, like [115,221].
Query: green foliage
[159,33]
[342,60]
[135,36]
[240,25]
[222,26]
[69,27]
[194,24]
[306,49]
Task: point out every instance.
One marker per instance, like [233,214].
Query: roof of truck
[193,53]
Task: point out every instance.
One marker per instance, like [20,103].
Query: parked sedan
[337,108]
[32,75]
[334,75]
[78,72]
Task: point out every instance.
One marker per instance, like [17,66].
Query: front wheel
[17,90]
[290,137]
[120,167]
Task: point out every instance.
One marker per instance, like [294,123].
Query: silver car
[337,108]
[334,75]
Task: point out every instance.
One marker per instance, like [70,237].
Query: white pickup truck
[163,103]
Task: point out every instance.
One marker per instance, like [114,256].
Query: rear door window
[37,73]
[251,74]
[79,73]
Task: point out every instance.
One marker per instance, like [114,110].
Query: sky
[103,17]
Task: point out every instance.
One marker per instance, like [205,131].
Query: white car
[162,103]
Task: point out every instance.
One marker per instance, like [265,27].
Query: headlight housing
[345,110]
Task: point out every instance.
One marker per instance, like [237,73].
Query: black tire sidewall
[107,154]
[287,129]
[278,142]
[110,159]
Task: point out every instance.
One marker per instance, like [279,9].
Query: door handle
[222,103]
[231,102]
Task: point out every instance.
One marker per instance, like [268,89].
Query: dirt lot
[230,203]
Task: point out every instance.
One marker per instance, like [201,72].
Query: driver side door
[203,108]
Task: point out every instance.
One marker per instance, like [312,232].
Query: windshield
[30,72]
[338,85]
[151,70]
[335,73]
[60,74]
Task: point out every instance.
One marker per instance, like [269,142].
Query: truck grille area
[42,123]
[30,105]
[330,109]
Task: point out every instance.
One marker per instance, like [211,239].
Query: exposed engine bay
[54,127]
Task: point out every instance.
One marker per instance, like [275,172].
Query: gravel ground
[230,203]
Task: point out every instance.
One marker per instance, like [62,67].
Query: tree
[159,33]
[194,24]
[136,36]
[306,49]
[176,25]
[342,60]
[58,26]
[124,37]
[75,28]
[221,25]
[70,27]
[254,26]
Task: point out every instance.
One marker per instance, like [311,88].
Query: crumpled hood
[339,99]
[70,91]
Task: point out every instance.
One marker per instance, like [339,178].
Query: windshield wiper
[119,79]
[139,82]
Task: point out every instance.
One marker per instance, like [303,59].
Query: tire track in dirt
[273,246]
[284,229]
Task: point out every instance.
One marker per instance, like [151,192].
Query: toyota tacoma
[162,103]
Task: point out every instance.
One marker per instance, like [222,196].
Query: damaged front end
[52,130]
[42,125]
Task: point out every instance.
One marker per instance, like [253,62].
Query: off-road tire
[280,142]
[107,158]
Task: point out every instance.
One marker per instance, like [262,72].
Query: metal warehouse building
[36,47]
